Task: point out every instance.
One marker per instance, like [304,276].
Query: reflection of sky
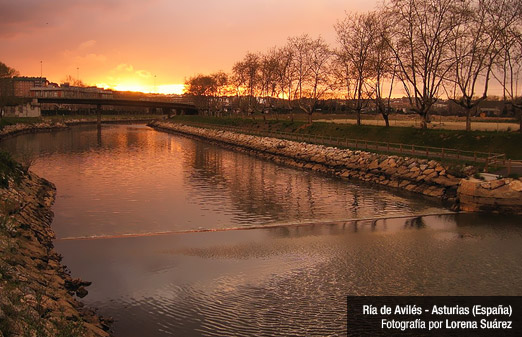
[294,279]
[130,180]
[277,281]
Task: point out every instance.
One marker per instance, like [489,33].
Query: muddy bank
[38,297]
[427,177]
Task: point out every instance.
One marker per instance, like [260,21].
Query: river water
[155,222]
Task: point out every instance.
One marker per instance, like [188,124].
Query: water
[288,280]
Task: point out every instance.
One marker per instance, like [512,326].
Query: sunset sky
[135,44]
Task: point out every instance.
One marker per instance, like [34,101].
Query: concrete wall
[22,110]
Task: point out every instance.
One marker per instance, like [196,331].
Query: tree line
[428,48]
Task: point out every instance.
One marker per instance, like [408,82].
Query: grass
[9,168]
[483,141]
[18,120]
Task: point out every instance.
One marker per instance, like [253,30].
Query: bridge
[168,108]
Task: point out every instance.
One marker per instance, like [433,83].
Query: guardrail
[488,158]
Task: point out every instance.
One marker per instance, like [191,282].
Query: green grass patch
[481,141]
[18,120]
[9,168]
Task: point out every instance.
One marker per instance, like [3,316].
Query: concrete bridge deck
[163,105]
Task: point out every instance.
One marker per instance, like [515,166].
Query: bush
[8,169]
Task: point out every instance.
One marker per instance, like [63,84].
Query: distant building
[67,91]
[22,85]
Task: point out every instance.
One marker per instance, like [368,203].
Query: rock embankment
[20,128]
[36,290]
[501,195]
[423,176]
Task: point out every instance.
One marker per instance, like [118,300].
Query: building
[22,85]
[67,91]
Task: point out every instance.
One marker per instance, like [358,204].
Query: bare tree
[355,35]
[69,79]
[420,39]
[246,75]
[268,79]
[310,64]
[475,48]
[207,91]
[285,75]
[509,67]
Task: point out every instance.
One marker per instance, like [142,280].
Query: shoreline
[422,176]
[37,293]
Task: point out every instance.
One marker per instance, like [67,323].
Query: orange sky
[153,45]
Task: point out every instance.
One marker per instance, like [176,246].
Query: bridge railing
[486,158]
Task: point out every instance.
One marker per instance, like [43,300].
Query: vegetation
[430,48]
[7,72]
[18,120]
[485,141]
[6,87]
[9,169]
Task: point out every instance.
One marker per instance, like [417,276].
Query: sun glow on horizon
[165,89]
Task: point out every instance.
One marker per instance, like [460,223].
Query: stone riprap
[20,128]
[423,176]
[37,294]
[501,195]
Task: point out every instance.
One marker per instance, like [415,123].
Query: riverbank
[37,294]
[412,174]
[427,177]
[483,141]
[22,128]
[33,125]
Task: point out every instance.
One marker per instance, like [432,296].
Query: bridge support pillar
[98,115]
[167,111]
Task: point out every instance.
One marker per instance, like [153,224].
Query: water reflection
[290,280]
[276,281]
[131,179]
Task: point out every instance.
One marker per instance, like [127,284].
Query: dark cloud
[26,16]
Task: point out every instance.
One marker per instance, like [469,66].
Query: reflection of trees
[248,189]
[417,222]
[80,139]
[262,191]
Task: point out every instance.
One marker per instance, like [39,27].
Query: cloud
[144,73]
[86,44]
[124,67]
[129,68]
[29,16]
